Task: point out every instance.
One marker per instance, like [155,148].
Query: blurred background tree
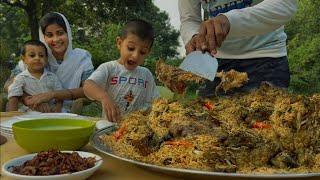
[304,48]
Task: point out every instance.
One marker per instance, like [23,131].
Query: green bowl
[44,134]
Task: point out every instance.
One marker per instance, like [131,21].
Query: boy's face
[35,58]
[133,51]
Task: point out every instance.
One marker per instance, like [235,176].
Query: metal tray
[189,173]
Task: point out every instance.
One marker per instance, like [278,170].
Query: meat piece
[231,79]
[147,144]
[54,162]
[174,78]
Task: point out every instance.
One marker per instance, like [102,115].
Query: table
[111,169]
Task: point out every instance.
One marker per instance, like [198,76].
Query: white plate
[190,173]
[47,115]
[77,175]
[6,134]
[8,131]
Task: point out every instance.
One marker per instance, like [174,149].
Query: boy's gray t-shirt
[130,90]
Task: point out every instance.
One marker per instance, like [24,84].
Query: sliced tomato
[179,143]
[208,105]
[261,125]
[119,133]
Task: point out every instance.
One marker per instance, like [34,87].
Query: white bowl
[76,175]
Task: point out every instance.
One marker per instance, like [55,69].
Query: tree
[304,48]
[31,8]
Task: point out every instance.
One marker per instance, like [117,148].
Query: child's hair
[140,28]
[33,43]
[52,18]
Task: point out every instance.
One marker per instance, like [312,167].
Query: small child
[122,85]
[35,79]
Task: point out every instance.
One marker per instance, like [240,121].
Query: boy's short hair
[52,18]
[33,43]
[140,28]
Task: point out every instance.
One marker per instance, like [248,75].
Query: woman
[72,66]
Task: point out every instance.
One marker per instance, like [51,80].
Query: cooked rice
[226,138]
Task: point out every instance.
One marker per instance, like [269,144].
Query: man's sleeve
[262,18]
[190,18]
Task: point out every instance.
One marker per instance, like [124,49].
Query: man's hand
[211,35]
[191,45]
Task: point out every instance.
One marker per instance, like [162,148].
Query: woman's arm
[66,94]
[8,82]
[58,106]
[13,103]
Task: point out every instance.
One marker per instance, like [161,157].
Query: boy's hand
[111,109]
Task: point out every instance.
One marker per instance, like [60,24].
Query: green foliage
[306,21]
[304,48]
[93,110]
[14,30]
[103,49]
[305,65]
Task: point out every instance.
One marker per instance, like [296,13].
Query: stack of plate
[6,125]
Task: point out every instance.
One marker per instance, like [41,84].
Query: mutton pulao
[264,131]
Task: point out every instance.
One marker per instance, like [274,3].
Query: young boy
[122,85]
[35,79]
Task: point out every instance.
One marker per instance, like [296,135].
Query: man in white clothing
[245,35]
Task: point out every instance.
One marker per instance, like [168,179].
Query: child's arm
[13,103]
[15,91]
[94,91]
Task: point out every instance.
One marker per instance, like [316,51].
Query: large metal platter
[188,173]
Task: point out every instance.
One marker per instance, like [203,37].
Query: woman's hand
[211,35]
[111,109]
[35,100]
[43,107]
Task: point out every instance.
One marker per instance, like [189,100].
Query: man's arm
[262,18]
[190,18]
